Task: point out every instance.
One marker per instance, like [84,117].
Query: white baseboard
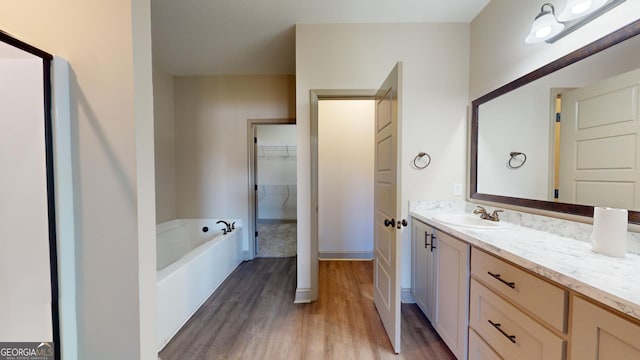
[345,255]
[245,255]
[303,296]
[406,297]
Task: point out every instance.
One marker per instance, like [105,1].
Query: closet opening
[273,203]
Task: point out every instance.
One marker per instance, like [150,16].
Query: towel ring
[420,156]
[514,155]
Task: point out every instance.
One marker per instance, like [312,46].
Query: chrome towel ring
[418,158]
[514,158]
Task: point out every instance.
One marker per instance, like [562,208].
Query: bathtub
[191,264]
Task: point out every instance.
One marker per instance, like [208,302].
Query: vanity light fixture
[576,13]
[545,25]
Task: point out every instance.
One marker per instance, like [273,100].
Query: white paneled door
[599,138]
[387,223]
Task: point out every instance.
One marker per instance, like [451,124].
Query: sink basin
[469,221]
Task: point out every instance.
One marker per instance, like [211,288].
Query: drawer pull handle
[511,338]
[510,284]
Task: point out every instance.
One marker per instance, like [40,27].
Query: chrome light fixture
[575,14]
[545,25]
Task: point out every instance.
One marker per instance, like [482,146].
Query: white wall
[345,178]
[164,129]
[25,299]
[276,172]
[111,112]
[435,86]
[500,55]
[211,139]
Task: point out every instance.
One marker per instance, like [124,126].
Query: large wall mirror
[29,312]
[565,137]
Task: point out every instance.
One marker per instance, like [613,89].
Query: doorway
[273,202]
[346,135]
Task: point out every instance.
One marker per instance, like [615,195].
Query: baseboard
[345,255]
[406,297]
[246,255]
[303,296]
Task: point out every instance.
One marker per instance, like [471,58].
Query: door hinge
[256,234]
[556,194]
[255,187]
[255,140]
[558,116]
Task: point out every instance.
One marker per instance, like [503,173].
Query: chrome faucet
[485,215]
[228,229]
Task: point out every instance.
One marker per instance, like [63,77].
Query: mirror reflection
[574,133]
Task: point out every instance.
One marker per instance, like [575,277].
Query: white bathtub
[191,264]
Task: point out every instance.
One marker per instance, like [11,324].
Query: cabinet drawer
[541,298]
[479,350]
[511,333]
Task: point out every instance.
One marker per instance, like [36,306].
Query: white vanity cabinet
[440,283]
[423,268]
[598,334]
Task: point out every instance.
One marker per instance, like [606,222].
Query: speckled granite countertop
[614,282]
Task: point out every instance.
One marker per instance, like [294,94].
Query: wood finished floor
[252,316]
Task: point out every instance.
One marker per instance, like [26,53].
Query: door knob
[388,222]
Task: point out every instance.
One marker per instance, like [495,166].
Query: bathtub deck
[252,316]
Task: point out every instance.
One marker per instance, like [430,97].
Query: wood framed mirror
[491,179]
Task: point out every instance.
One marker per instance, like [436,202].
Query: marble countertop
[612,281]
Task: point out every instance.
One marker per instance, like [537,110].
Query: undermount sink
[469,221]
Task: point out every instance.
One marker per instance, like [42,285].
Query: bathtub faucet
[228,229]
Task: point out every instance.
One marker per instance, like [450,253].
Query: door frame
[315,96]
[251,158]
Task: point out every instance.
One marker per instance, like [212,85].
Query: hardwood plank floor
[252,316]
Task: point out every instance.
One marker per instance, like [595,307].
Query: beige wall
[500,55]
[110,96]
[164,128]
[211,139]
[435,88]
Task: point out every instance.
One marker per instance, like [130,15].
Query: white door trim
[308,295]
[251,158]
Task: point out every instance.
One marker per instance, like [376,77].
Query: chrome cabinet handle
[510,284]
[511,338]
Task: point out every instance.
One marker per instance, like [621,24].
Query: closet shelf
[284,151]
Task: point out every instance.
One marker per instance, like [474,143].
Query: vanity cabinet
[600,334]
[440,283]
[517,314]
[423,268]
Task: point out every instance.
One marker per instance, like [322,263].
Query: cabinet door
[599,334]
[423,278]
[452,295]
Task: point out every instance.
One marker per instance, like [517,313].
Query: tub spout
[228,229]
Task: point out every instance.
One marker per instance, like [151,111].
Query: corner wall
[165,145]
[435,86]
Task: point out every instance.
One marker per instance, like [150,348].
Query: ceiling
[257,37]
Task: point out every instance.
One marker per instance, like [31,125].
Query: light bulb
[581,7]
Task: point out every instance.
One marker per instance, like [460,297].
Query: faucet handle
[494,215]
[479,210]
